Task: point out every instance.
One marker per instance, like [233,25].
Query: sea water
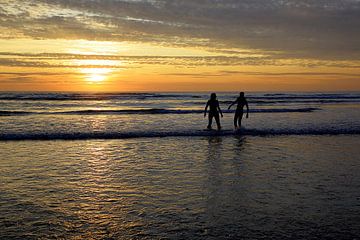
[142,166]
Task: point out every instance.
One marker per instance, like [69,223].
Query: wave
[91,96]
[309,98]
[151,111]
[195,133]
[311,95]
[149,96]
[280,101]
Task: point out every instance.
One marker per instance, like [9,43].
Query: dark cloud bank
[322,29]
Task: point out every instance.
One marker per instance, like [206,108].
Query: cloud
[266,74]
[27,74]
[67,60]
[291,73]
[322,29]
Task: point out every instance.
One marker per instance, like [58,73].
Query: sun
[96,75]
[96,70]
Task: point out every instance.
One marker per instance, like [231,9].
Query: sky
[179,45]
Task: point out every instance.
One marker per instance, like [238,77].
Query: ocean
[142,166]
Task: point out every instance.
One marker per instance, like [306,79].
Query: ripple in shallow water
[201,187]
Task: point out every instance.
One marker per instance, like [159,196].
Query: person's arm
[207,104]
[232,104]
[247,109]
[218,105]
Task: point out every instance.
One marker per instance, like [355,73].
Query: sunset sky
[179,45]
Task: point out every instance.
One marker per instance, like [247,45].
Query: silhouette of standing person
[213,103]
[241,102]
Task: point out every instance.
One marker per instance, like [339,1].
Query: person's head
[242,94]
[213,96]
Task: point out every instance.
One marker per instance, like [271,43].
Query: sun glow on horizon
[96,70]
[96,75]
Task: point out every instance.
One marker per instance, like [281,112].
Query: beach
[142,166]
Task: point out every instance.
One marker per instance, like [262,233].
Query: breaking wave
[152,111]
[154,134]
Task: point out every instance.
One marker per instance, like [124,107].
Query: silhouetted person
[241,102]
[214,111]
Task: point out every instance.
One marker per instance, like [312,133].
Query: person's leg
[210,120]
[236,116]
[217,119]
[240,116]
